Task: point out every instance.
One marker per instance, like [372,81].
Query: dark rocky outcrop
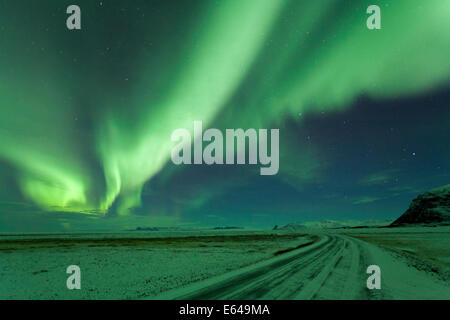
[432,207]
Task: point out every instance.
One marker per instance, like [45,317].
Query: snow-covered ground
[316,264]
[424,248]
[127,265]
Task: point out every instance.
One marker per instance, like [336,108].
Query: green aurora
[86,116]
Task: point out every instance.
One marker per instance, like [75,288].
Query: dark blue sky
[373,159]
[86,116]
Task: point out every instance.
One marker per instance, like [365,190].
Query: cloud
[398,190]
[366,199]
[377,178]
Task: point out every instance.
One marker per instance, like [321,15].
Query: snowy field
[329,264]
[128,265]
[424,248]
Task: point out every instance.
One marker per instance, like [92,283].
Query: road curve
[333,267]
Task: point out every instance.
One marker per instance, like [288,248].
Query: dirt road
[334,267]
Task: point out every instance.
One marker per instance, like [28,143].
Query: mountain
[331,224]
[156,229]
[432,207]
[227,228]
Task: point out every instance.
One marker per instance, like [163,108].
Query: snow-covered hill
[432,207]
[329,224]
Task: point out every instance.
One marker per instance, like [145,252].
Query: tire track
[334,267]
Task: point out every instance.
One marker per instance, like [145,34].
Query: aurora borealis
[86,115]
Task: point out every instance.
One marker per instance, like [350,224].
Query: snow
[126,265]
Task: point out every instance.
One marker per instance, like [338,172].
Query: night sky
[86,115]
